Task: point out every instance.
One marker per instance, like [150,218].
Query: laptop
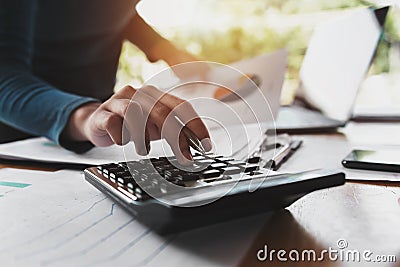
[336,63]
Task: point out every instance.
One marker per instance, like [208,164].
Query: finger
[184,111]
[113,126]
[154,132]
[126,92]
[172,132]
[136,124]
[126,137]
[119,107]
[100,135]
[116,105]
[164,120]
[133,121]
[146,136]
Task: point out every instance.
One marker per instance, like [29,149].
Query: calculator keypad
[156,175]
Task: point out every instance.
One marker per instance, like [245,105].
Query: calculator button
[187,176]
[166,159]
[113,168]
[135,165]
[163,188]
[123,164]
[161,169]
[205,161]
[213,156]
[177,180]
[153,181]
[231,170]
[142,195]
[131,185]
[148,189]
[218,165]
[122,174]
[199,157]
[159,162]
[144,161]
[236,163]
[250,167]
[253,160]
[169,174]
[210,174]
[223,159]
[218,179]
[142,177]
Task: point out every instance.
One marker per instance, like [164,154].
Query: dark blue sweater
[56,56]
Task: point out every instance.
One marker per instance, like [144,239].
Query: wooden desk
[365,215]
[20,166]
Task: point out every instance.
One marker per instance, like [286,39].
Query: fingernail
[186,160]
[206,142]
[148,147]
[141,151]
[187,155]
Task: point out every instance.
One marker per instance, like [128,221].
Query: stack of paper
[58,219]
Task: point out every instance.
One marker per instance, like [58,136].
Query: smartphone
[376,160]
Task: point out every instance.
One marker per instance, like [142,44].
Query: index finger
[184,111]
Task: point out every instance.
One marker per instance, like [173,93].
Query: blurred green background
[229,30]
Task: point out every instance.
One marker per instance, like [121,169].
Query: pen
[294,145]
[283,155]
[193,140]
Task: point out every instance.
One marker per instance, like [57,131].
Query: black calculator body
[169,199]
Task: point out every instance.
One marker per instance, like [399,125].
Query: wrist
[75,130]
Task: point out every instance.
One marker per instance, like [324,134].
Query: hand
[139,116]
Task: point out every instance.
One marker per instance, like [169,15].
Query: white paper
[236,143]
[61,220]
[256,105]
[42,149]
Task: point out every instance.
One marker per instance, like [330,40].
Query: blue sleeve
[27,102]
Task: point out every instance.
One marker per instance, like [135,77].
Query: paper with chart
[58,219]
[256,82]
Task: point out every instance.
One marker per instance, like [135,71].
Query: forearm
[31,105]
[27,102]
[144,37]
[150,42]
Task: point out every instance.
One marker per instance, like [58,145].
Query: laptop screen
[337,59]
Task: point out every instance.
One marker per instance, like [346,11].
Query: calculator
[168,197]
